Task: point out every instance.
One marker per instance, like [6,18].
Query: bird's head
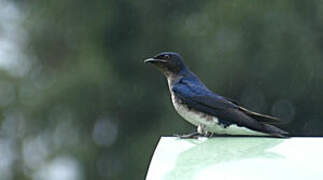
[168,62]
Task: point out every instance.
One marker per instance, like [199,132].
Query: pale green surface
[240,158]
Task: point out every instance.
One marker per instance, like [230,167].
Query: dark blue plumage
[192,92]
[203,108]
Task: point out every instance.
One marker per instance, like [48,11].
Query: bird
[211,113]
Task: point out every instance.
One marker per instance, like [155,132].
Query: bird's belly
[211,123]
[194,117]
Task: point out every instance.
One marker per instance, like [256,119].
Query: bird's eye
[166,56]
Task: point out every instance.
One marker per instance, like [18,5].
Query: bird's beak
[153,60]
[149,60]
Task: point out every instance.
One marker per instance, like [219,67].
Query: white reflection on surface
[237,158]
[300,161]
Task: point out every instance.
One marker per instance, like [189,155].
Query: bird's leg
[200,132]
[209,134]
[201,129]
[187,136]
[203,132]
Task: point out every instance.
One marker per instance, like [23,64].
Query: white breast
[194,117]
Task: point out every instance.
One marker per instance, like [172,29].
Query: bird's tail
[275,131]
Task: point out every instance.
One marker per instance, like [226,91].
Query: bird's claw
[209,134]
[194,135]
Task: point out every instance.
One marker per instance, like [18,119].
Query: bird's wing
[260,117]
[198,97]
[196,94]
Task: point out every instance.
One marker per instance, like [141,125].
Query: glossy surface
[237,158]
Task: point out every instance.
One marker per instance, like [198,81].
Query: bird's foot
[194,135]
[209,134]
[203,132]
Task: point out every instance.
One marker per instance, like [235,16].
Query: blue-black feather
[193,93]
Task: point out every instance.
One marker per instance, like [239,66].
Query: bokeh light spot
[105,132]
[61,168]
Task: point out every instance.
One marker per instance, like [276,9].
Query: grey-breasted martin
[210,112]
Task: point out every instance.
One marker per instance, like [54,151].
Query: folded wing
[200,98]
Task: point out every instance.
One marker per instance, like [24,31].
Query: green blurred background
[77,101]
